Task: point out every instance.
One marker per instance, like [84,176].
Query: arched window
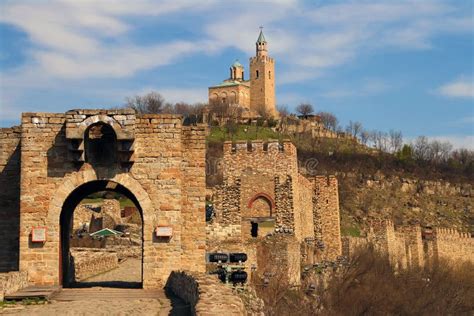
[256,74]
[260,205]
[100,142]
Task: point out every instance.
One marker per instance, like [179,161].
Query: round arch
[67,213]
[102,118]
[76,180]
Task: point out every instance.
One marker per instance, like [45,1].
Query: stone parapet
[91,263]
[205,294]
[11,282]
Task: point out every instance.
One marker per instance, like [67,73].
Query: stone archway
[66,265]
[86,181]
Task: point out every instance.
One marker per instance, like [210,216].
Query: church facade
[256,94]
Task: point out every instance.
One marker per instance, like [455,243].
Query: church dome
[237,64]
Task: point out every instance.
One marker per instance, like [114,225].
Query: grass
[243,132]
[352,231]
[25,301]
[6,303]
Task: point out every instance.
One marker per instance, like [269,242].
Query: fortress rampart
[413,246]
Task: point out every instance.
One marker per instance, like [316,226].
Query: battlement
[450,234]
[6,132]
[258,59]
[326,181]
[377,225]
[259,147]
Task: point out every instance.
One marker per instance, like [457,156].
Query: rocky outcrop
[406,200]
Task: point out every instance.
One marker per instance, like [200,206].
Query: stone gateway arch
[52,161]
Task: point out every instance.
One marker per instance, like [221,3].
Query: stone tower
[237,71]
[262,79]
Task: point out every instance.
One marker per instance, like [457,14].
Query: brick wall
[304,206]
[9,197]
[163,168]
[326,215]
[279,256]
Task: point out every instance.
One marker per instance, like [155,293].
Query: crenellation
[410,246]
[161,154]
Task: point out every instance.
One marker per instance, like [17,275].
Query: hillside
[372,185]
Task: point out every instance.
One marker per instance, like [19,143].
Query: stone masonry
[263,193]
[9,197]
[205,293]
[412,246]
[156,160]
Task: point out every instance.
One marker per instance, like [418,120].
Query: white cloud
[460,88]
[92,39]
[367,87]
[173,95]
[458,141]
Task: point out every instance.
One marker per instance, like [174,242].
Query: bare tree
[283,110]
[439,151]
[379,140]
[396,140]
[262,111]
[150,103]
[305,109]
[354,128]
[219,111]
[421,148]
[364,137]
[329,120]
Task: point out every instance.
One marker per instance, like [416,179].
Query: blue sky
[406,65]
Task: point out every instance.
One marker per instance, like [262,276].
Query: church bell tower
[262,79]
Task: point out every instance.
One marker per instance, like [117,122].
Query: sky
[403,65]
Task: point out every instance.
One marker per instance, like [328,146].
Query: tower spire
[261,44]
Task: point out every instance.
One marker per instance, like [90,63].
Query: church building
[255,93]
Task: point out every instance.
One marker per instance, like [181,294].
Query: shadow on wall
[63,155]
[10,212]
[59,162]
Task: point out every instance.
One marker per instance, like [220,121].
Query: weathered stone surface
[11,282]
[9,197]
[411,246]
[205,293]
[88,263]
[165,174]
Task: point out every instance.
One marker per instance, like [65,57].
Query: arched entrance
[70,204]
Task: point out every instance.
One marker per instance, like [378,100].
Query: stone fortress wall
[264,194]
[412,246]
[9,197]
[155,154]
